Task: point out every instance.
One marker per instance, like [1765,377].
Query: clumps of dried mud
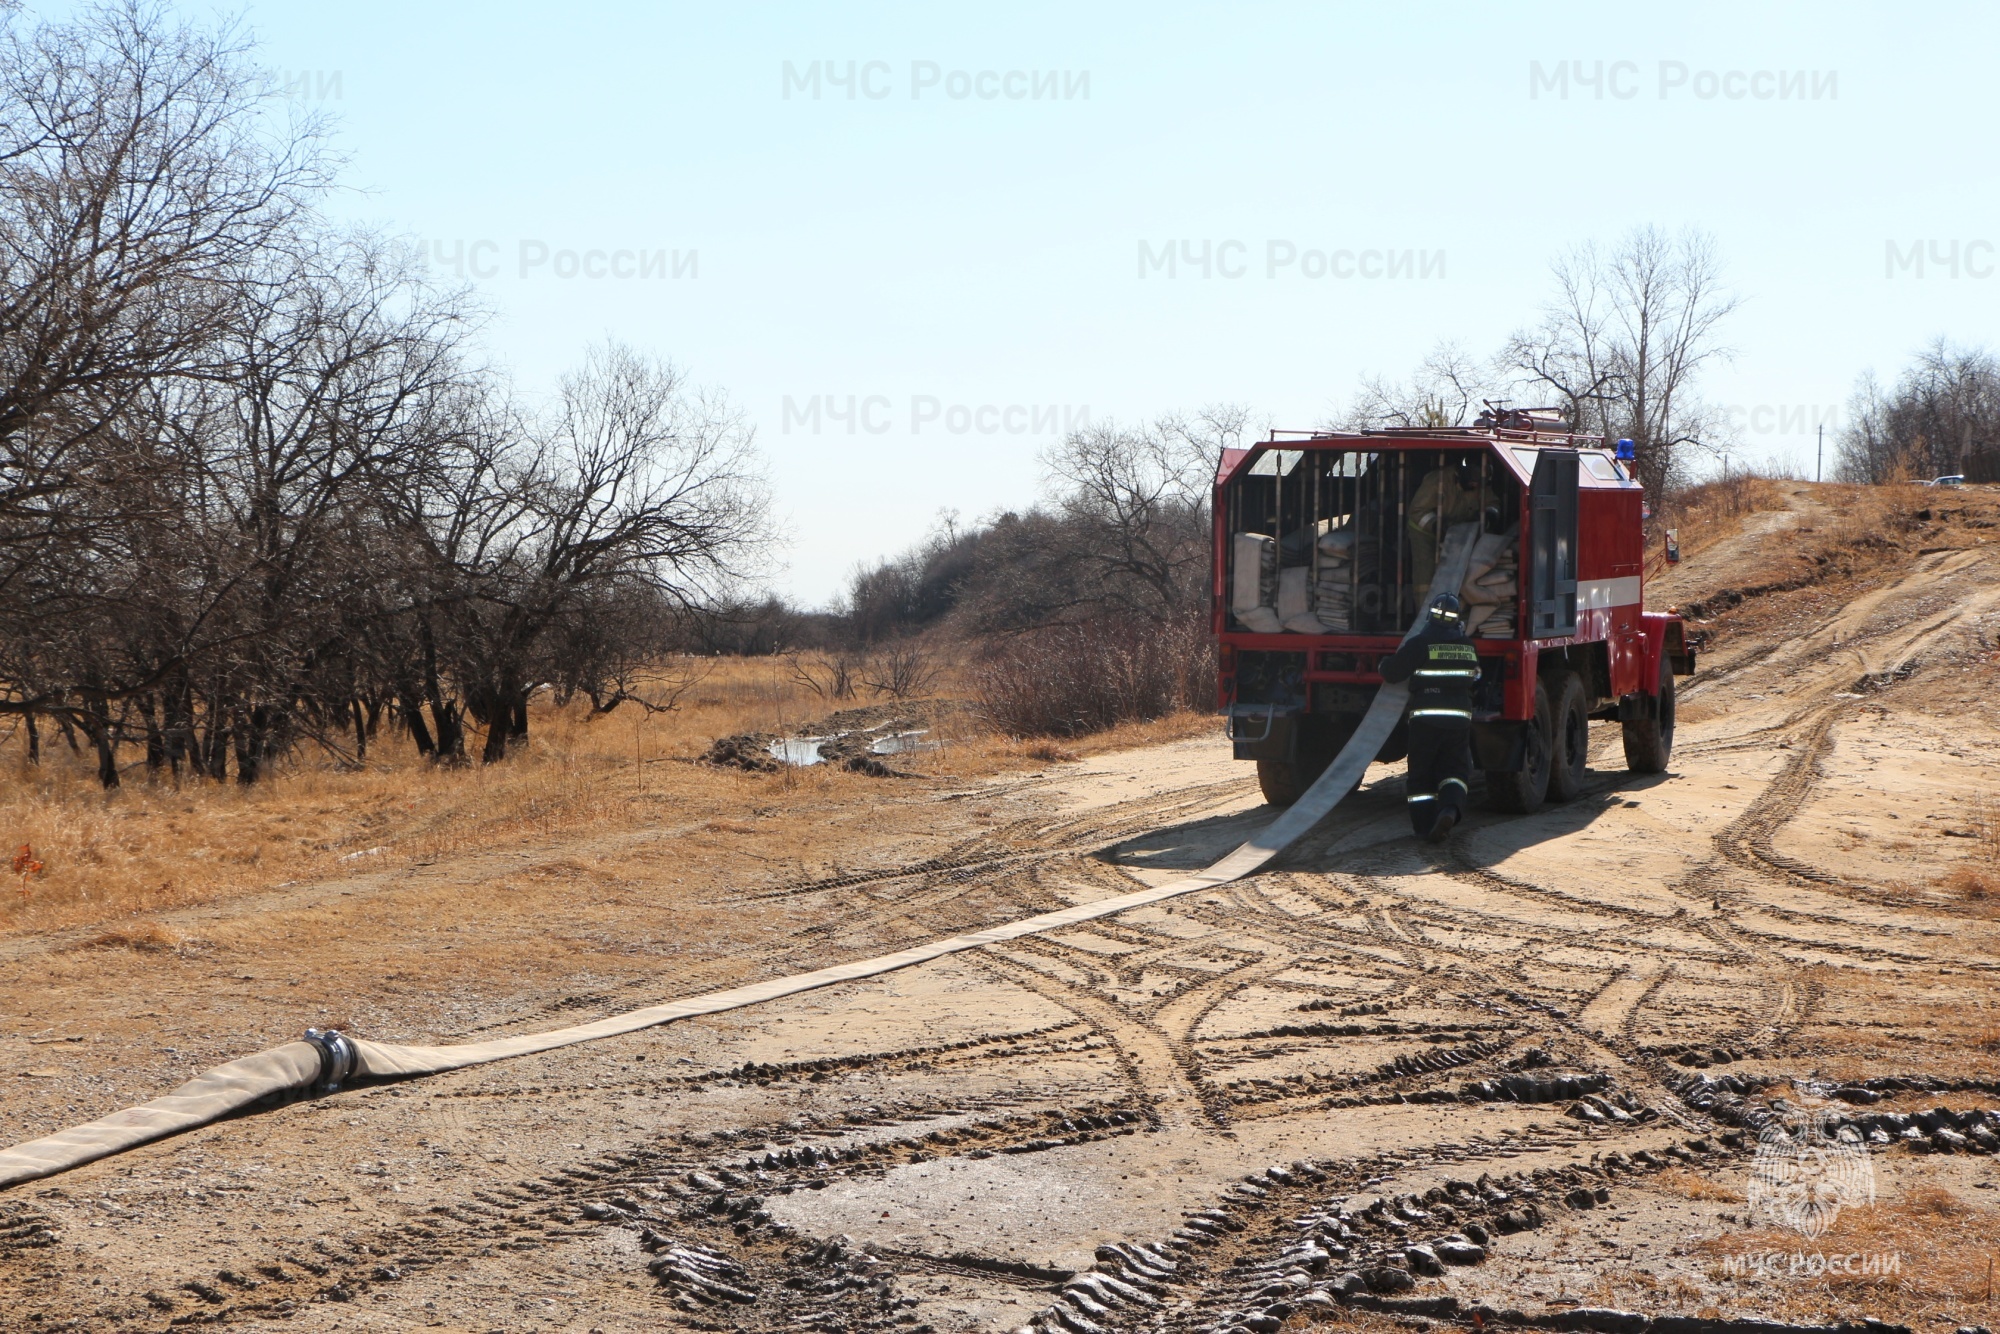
[744,750]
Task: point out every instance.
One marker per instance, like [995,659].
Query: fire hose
[325,1061]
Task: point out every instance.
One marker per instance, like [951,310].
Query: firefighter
[1441,667]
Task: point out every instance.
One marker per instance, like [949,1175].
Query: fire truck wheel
[1649,742]
[1572,739]
[1320,742]
[1281,781]
[1523,792]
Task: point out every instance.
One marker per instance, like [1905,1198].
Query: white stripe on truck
[1594,593]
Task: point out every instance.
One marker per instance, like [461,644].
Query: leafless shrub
[1070,680]
[1973,884]
[902,670]
[831,676]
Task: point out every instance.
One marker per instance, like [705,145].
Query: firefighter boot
[1450,808]
[1423,813]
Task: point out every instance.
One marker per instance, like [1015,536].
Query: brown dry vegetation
[1974,884]
[1695,1186]
[1944,1244]
[575,892]
[1867,1021]
[1848,541]
[154,846]
[1977,880]
[1706,513]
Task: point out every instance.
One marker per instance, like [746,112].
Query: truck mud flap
[1637,707]
[1500,748]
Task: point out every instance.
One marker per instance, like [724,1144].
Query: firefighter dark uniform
[1441,667]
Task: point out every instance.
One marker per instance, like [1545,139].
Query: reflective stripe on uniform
[1442,713]
[1423,796]
[1459,673]
[1458,783]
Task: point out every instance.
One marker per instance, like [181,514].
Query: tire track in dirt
[1424,956]
[973,871]
[1784,986]
[682,1185]
[1028,839]
[1271,924]
[1166,1090]
[1611,1012]
[1461,865]
[1618,1049]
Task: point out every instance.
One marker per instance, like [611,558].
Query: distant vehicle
[1949,479]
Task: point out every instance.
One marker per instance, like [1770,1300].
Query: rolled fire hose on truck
[326,1061]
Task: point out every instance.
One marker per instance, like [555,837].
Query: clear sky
[930,251]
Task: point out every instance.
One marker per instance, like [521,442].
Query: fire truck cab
[1326,547]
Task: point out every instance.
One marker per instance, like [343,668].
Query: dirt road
[1507,1071]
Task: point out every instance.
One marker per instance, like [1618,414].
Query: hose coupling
[337,1060]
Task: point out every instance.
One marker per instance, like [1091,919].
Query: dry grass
[145,937]
[80,856]
[1867,1023]
[1178,726]
[1944,1244]
[1694,1186]
[1708,512]
[155,844]
[1974,884]
[1985,820]
[1854,538]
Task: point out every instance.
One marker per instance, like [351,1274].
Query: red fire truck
[1326,547]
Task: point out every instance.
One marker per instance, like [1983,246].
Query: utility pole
[1819,453]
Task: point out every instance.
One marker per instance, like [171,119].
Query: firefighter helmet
[1445,607]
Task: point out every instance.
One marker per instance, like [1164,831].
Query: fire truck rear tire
[1281,781]
[1649,742]
[1321,739]
[1572,739]
[1523,793]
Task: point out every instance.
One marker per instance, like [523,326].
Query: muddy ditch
[860,740]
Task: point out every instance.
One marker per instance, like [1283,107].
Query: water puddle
[802,751]
[798,750]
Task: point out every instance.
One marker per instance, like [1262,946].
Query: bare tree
[253,490]
[1446,390]
[633,476]
[1865,450]
[139,176]
[1122,531]
[903,669]
[1136,502]
[830,675]
[1942,417]
[915,588]
[1623,344]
